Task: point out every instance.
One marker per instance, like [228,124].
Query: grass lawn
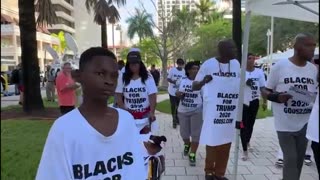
[164,107]
[21,147]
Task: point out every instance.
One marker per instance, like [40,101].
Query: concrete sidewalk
[260,165]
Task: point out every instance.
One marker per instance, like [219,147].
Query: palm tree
[140,24]
[29,52]
[104,12]
[204,7]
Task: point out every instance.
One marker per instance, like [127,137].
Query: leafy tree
[208,37]
[140,24]
[284,32]
[29,51]
[203,8]
[165,42]
[148,50]
[104,11]
[124,53]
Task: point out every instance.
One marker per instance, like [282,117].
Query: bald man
[291,115]
[217,76]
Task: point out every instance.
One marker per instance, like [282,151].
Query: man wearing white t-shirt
[219,78]
[89,142]
[174,77]
[291,114]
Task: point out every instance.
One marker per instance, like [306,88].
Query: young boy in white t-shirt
[95,141]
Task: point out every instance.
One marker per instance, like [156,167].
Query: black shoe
[186,150]
[174,126]
[220,178]
[209,177]
[279,163]
[307,160]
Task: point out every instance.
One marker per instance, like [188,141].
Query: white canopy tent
[302,10]
[278,56]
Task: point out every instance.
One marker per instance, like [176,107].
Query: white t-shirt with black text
[136,93]
[175,75]
[293,115]
[192,100]
[212,67]
[253,93]
[75,150]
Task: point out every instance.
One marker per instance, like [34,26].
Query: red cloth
[140,115]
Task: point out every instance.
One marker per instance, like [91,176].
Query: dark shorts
[66,109]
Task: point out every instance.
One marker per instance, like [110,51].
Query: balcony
[65,16]
[63,27]
[64,4]
[16,51]
[10,30]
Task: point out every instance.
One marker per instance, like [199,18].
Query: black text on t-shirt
[226,108]
[297,106]
[103,167]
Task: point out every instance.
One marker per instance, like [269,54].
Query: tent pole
[271,43]
[241,91]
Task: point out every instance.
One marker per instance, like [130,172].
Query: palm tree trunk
[236,26]
[104,36]
[29,57]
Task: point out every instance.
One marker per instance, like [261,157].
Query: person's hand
[264,106]
[207,79]
[152,117]
[249,82]
[180,94]
[284,97]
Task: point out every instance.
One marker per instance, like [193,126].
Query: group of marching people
[96,141]
[204,103]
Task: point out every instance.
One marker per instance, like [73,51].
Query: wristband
[274,97]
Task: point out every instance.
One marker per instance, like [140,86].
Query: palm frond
[101,11]
[47,13]
[90,4]
[114,15]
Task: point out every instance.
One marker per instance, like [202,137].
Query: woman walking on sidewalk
[190,112]
[255,82]
[137,91]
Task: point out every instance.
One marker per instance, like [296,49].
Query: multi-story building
[165,8]
[10,37]
[73,18]
[88,33]
[226,6]
[65,11]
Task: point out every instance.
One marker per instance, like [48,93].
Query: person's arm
[169,78]
[53,164]
[201,78]
[269,92]
[152,93]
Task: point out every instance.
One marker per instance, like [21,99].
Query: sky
[129,8]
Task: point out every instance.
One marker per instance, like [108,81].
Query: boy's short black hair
[250,54]
[88,54]
[121,63]
[180,61]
